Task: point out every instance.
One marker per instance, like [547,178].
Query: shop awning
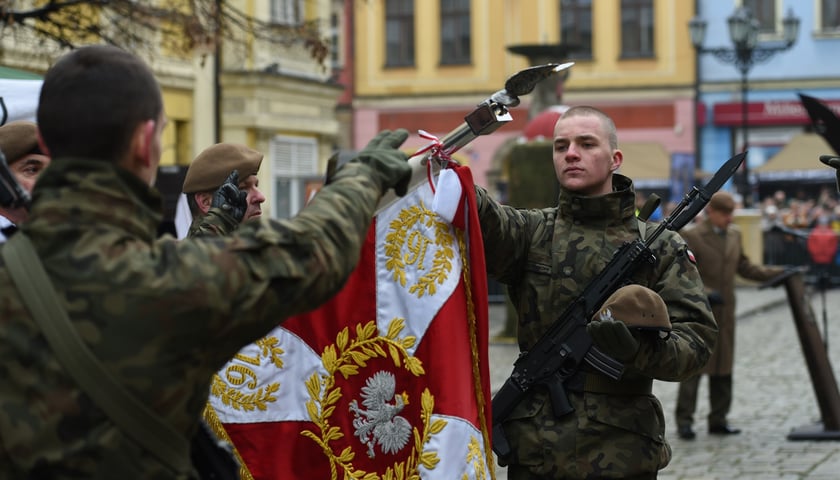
[798,160]
[15,74]
[648,164]
[19,92]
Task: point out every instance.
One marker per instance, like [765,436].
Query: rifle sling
[594,382]
[130,415]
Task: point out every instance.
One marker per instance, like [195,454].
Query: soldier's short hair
[92,100]
[606,121]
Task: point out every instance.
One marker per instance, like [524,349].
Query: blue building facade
[775,115]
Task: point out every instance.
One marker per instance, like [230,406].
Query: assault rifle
[562,350]
[12,195]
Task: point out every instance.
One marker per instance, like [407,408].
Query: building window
[399,33]
[336,43]
[295,164]
[830,21]
[455,32]
[286,12]
[765,12]
[636,28]
[576,27]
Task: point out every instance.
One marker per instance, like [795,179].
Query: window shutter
[294,156]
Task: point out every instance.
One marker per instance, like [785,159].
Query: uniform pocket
[523,430]
[631,430]
[529,299]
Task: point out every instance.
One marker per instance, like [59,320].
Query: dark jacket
[719,259]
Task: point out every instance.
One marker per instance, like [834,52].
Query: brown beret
[722,202]
[17,139]
[212,166]
[638,307]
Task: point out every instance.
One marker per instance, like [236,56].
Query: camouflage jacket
[162,315]
[213,224]
[547,257]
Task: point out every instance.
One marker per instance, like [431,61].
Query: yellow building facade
[650,96]
[273,97]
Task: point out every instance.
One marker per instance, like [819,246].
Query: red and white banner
[389,379]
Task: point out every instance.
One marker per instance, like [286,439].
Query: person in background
[822,246]
[717,247]
[19,144]
[208,172]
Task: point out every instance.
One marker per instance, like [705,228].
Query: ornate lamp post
[745,53]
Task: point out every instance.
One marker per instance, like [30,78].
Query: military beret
[17,139]
[636,306]
[722,202]
[212,166]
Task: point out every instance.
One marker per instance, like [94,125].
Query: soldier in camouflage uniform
[547,257]
[19,144]
[162,315]
[208,172]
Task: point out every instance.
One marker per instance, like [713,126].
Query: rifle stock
[12,195]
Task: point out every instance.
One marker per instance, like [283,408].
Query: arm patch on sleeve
[689,255]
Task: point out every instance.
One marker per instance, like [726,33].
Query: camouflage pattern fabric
[547,257]
[162,315]
[214,223]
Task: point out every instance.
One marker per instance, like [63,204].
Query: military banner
[388,380]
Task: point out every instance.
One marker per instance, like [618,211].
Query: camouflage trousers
[606,436]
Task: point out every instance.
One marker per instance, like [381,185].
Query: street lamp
[746,52]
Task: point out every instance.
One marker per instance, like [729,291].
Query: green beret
[17,139]
[636,306]
[212,166]
[722,202]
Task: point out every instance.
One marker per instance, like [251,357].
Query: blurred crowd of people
[800,229]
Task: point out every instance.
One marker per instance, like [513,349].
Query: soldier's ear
[41,145]
[617,159]
[204,200]
[145,137]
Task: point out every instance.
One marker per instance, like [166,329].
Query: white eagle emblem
[380,423]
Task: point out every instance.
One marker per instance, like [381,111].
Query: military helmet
[637,306]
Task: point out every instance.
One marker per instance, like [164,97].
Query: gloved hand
[389,164]
[230,199]
[614,339]
[715,298]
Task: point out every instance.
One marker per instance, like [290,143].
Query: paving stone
[773,395]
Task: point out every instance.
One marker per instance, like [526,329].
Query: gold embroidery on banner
[476,457]
[401,236]
[240,376]
[216,426]
[474,353]
[345,357]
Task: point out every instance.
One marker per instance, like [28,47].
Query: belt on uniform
[591,382]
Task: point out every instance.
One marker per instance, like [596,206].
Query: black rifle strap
[130,415]
[8,231]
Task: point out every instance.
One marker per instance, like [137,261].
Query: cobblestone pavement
[773,395]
